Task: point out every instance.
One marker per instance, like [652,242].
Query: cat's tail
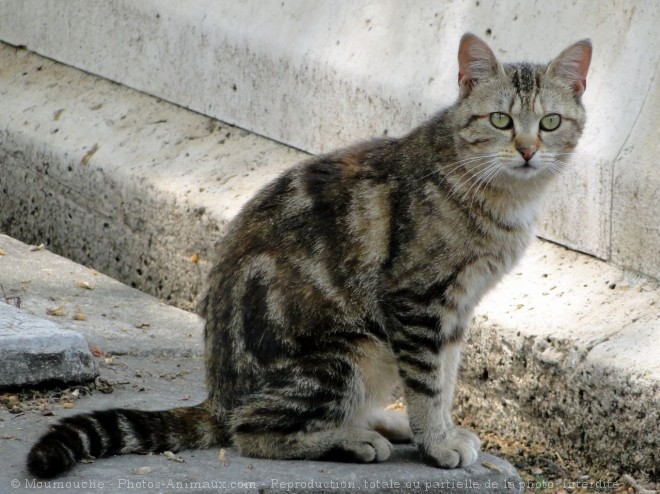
[120,431]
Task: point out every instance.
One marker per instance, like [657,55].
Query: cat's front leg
[429,376]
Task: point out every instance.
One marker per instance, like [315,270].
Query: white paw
[460,449]
[363,447]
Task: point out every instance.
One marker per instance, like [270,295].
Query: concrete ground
[149,357]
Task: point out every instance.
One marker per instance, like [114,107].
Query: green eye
[501,120]
[550,122]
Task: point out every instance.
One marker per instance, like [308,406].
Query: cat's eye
[501,120]
[550,122]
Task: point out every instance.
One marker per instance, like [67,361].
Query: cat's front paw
[460,449]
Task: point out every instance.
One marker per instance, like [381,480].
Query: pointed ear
[572,65]
[476,61]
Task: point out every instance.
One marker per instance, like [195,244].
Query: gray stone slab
[202,471]
[157,383]
[34,350]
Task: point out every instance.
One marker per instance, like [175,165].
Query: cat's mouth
[525,169]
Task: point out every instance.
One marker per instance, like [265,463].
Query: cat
[358,271]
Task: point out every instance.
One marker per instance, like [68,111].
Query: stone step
[320,77]
[74,306]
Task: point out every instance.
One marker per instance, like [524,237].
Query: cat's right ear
[476,61]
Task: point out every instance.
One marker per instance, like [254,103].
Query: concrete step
[322,76]
[113,178]
[64,300]
[141,189]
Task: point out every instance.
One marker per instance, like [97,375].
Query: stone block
[35,351]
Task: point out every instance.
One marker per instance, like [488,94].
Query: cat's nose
[527,152]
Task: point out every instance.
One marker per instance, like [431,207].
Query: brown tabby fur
[358,271]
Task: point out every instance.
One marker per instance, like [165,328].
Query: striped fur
[357,272]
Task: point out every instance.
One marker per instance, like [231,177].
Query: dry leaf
[88,156]
[67,405]
[491,466]
[142,325]
[110,360]
[85,284]
[186,397]
[2,252]
[222,456]
[96,351]
[79,316]
[194,258]
[57,114]
[56,311]
[172,457]
[87,459]
[34,248]
[142,470]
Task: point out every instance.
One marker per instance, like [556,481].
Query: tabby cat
[357,272]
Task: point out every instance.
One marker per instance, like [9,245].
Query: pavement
[148,356]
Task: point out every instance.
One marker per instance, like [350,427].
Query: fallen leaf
[185,398]
[2,252]
[87,459]
[194,258]
[96,351]
[222,457]
[85,284]
[56,311]
[35,248]
[67,405]
[172,457]
[110,360]
[57,114]
[142,470]
[88,156]
[79,316]
[142,325]
[490,466]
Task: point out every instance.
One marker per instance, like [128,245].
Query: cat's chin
[524,171]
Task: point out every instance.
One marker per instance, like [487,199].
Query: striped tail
[120,431]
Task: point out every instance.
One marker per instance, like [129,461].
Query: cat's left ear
[572,65]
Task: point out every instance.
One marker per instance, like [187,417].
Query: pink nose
[527,152]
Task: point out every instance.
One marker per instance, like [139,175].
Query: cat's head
[524,119]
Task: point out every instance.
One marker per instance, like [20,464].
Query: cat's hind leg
[347,444]
[300,413]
